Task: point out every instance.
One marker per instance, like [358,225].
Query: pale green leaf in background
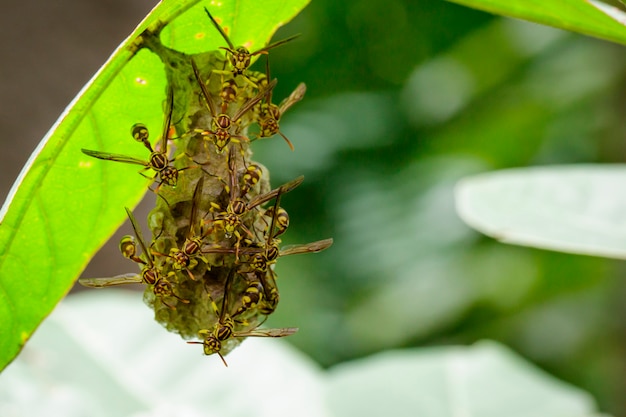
[576,209]
[73,367]
[484,380]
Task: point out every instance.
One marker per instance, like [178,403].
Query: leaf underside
[575,209]
[588,17]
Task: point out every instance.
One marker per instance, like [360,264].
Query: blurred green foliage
[404,98]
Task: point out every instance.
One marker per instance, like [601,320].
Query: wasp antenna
[287,140]
[219,28]
[223,360]
[168,119]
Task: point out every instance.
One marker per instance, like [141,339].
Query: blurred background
[404,98]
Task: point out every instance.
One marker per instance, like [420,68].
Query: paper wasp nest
[216,227]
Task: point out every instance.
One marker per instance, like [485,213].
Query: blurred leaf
[444,289]
[321,129]
[496,109]
[134,368]
[149,372]
[456,79]
[588,17]
[576,209]
[486,380]
[65,205]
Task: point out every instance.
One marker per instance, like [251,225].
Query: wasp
[231,218]
[221,123]
[186,257]
[261,293]
[262,258]
[159,161]
[224,329]
[150,274]
[240,57]
[269,113]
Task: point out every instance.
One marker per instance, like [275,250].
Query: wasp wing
[275,44]
[220,30]
[254,100]
[285,188]
[115,157]
[111,281]
[312,247]
[295,96]
[205,91]
[285,331]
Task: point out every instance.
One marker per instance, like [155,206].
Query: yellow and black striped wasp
[261,259]
[224,329]
[231,218]
[186,257]
[261,293]
[151,273]
[240,57]
[269,113]
[221,123]
[159,160]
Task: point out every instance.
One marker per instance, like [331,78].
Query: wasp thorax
[238,206]
[139,132]
[150,276]
[158,161]
[222,121]
[225,330]
[192,246]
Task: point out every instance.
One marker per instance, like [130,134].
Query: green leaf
[577,209]
[65,205]
[588,17]
[146,371]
